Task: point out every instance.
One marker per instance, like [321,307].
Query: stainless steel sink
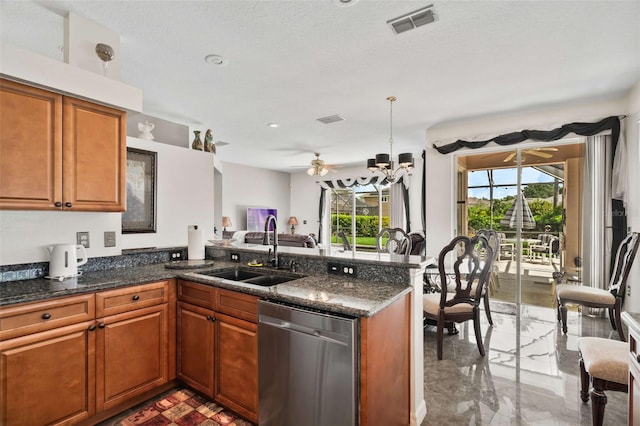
[264,278]
[269,280]
[233,274]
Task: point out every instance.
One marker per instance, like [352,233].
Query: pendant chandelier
[383,162]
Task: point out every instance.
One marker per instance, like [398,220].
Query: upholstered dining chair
[393,240]
[604,365]
[593,297]
[468,275]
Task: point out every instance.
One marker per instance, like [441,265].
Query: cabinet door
[47,378]
[30,147]
[237,365]
[94,159]
[196,343]
[131,354]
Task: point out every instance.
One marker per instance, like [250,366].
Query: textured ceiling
[291,62]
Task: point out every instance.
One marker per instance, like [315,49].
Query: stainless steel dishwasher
[308,367]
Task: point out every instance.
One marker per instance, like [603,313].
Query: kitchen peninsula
[380,296]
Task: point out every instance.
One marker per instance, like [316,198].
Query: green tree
[479,215]
[538,190]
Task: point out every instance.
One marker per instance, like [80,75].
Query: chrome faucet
[265,240]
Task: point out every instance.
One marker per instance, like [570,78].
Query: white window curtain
[597,235]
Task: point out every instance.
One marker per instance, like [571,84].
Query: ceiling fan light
[406,160]
[324,171]
[382,160]
[310,171]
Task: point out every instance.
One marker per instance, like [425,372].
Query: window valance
[583,129]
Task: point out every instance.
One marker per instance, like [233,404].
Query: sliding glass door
[524,195]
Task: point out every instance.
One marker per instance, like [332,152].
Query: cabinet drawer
[130,298]
[40,316]
[239,305]
[196,294]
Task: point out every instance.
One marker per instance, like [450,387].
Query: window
[361,210]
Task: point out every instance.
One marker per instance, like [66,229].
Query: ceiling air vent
[330,119]
[412,20]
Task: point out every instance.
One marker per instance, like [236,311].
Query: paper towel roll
[195,247]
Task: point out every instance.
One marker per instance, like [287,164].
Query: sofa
[256,237]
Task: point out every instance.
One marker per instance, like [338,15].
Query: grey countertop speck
[332,293]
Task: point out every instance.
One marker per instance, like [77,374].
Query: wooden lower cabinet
[59,365]
[218,352]
[385,365]
[47,378]
[131,354]
[237,365]
[195,347]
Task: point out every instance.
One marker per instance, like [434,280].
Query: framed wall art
[140,215]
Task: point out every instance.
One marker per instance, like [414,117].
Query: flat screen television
[256,217]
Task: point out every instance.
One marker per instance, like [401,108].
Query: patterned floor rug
[181,407]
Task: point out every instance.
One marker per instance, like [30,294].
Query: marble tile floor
[529,376]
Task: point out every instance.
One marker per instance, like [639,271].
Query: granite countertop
[332,293]
[632,320]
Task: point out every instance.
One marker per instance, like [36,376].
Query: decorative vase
[209,146]
[145,130]
[197,143]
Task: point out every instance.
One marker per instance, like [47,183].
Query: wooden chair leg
[440,338]
[598,404]
[612,318]
[618,320]
[584,382]
[486,308]
[558,310]
[476,328]
[563,314]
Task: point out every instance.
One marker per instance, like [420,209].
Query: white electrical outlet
[82,238]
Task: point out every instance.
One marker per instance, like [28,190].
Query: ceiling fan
[318,167]
[538,152]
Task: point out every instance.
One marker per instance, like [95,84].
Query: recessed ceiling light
[215,60]
[273,125]
[345,3]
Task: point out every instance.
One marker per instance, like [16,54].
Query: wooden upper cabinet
[58,152]
[94,156]
[30,147]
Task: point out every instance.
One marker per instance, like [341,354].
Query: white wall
[185,195]
[632,127]
[244,186]
[25,234]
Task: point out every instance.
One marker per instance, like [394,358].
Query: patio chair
[611,299]
[506,248]
[469,276]
[548,246]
